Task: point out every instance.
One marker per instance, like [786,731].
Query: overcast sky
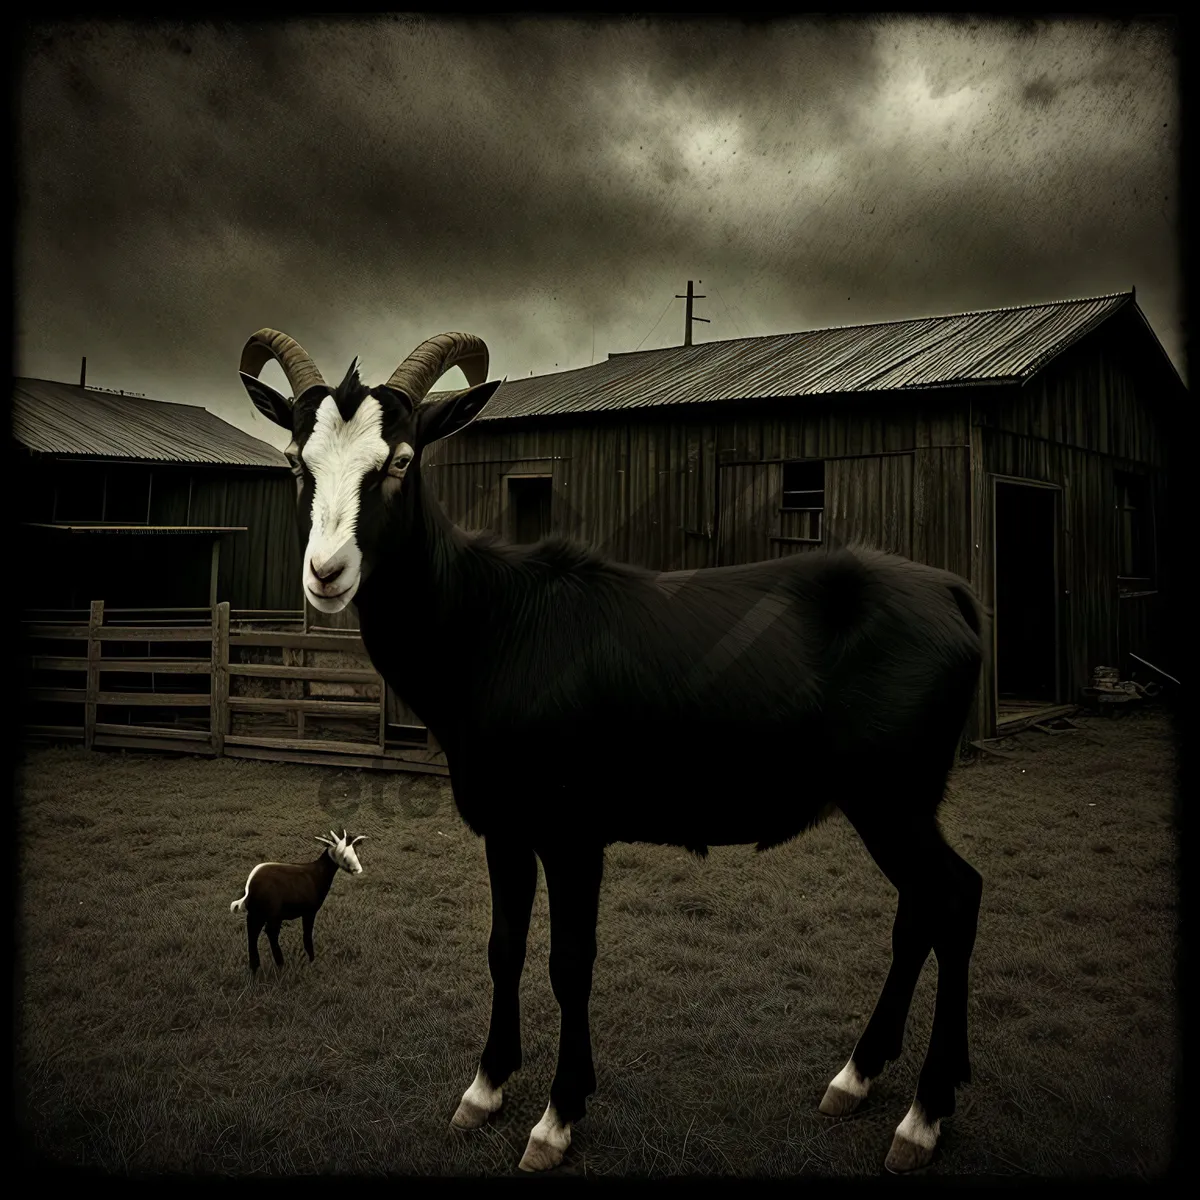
[551,184]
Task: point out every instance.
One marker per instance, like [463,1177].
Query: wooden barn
[148,505]
[1023,448]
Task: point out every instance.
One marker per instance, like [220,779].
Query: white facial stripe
[339,454]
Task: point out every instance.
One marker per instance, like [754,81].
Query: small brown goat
[278,892]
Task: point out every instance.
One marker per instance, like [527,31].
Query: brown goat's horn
[434,357]
[296,362]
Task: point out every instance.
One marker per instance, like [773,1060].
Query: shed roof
[62,418]
[994,346]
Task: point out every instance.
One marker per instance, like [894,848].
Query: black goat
[278,892]
[837,678]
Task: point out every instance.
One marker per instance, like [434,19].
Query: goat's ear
[403,399]
[440,418]
[272,404]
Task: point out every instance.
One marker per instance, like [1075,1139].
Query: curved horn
[296,362]
[362,837]
[434,357]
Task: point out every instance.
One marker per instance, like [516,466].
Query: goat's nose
[327,572]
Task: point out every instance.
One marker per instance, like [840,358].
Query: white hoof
[479,1101]
[914,1142]
[547,1143]
[847,1091]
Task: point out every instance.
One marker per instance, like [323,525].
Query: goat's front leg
[573,880]
[307,919]
[512,869]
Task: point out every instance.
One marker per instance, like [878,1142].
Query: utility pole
[688,318]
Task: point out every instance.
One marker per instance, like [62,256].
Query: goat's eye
[400,463]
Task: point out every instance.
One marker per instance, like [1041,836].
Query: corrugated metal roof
[1001,345]
[61,418]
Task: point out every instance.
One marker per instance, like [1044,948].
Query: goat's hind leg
[573,874]
[883,1038]
[947,1061]
[308,920]
[273,928]
[254,924]
[938,907]
[512,870]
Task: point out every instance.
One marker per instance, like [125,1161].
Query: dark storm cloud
[363,184]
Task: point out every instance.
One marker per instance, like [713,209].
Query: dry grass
[727,993]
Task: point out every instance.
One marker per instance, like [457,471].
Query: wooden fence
[161,682]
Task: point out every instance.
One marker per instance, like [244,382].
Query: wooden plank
[348,643]
[58,695]
[316,674]
[156,699]
[151,633]
[95,621]
[346,708]
[1017,724]
[53,731]
[157,666]
[55,632]
[155,731]
[45,662]
[274,743]
[342,761]
[133,742]
[980,745]
[219,714]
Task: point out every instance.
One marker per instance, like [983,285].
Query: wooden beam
[390,762]
[350,644]
[333,708]
[95,621]
[317,674]
[219,711]
[273,743]
[155,731]
[155,699]
[140,742]
[129,666]
[155,633]
[60,632]
[53,731]
[213,572]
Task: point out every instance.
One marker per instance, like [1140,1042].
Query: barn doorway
[528,507]
[1026,612]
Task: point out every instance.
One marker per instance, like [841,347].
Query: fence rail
[105,630]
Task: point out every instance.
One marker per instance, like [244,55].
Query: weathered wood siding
[694,488]
[1095,412]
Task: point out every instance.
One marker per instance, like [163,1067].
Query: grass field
[727,993]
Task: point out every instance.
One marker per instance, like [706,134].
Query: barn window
[1135,528]
[79,492]
[127,497]
[529,507]
[803,509]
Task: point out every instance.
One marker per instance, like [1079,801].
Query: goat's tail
[239,906]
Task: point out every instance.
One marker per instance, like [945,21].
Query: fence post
[95,620]
[218,715]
